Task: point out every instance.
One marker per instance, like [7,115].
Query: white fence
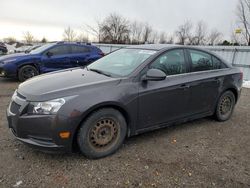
[238,56]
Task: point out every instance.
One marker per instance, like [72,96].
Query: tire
[26,72]
[225,106]
[102,133]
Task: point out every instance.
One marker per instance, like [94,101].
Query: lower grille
[14,107]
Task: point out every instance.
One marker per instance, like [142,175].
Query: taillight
[101,53]
[241,75]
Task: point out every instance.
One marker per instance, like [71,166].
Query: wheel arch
[234,91]
[28,63]
[97,107]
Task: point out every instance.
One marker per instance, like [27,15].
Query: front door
[56,58]
[165,101]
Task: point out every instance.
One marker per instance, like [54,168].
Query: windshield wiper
[99,72]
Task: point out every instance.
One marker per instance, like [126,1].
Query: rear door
[205,81]
[56,58]
[80,55]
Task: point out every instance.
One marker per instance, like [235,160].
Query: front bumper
[7,72]
[3,73]
[39,131]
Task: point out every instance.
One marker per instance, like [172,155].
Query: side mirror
[49,54]
[154,75]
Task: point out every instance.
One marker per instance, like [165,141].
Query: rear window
[79,49]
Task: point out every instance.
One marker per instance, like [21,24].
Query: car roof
[156,47]
[159,47]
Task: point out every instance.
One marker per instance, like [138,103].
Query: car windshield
[41,48]
[121,62]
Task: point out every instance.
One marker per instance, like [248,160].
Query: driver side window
[171,62]
[59,50]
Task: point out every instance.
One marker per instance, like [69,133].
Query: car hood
[18,56]
[63,83]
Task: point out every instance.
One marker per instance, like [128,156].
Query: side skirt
[175,122]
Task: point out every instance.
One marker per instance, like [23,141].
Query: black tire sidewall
[20,76]
[83,134]
[219,116]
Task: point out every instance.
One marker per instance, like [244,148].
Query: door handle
[217,80]
[184,86]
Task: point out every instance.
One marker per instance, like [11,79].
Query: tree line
[116,29]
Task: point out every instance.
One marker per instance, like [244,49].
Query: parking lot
[202,153]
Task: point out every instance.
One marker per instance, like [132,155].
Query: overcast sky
[48,18]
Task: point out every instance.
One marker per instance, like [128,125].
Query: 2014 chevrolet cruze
[128,92]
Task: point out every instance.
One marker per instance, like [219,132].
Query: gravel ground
[201,153]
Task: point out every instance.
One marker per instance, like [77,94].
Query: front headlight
[9,60]
[47,107]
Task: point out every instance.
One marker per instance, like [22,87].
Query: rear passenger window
[172,62]
[202,61]
[79,49]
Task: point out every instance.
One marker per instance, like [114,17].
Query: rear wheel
[225,106]
[26,72]
[102,133]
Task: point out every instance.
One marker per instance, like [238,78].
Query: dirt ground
[201,153]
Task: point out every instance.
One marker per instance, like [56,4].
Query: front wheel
[26,72]
[225,106]
[102,133]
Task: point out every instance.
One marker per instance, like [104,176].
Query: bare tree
[243,11]
[170,39]
[183,32]
[10,40]
[214,37]
[69,35]
[94,30]
[136,31]
[28,37]
[115,29]
[163,38]
[199,37]
[154,37]
[147,31]
[82,37]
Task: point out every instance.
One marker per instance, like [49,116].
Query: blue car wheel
[27,72]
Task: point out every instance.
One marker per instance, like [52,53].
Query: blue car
[47,58]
